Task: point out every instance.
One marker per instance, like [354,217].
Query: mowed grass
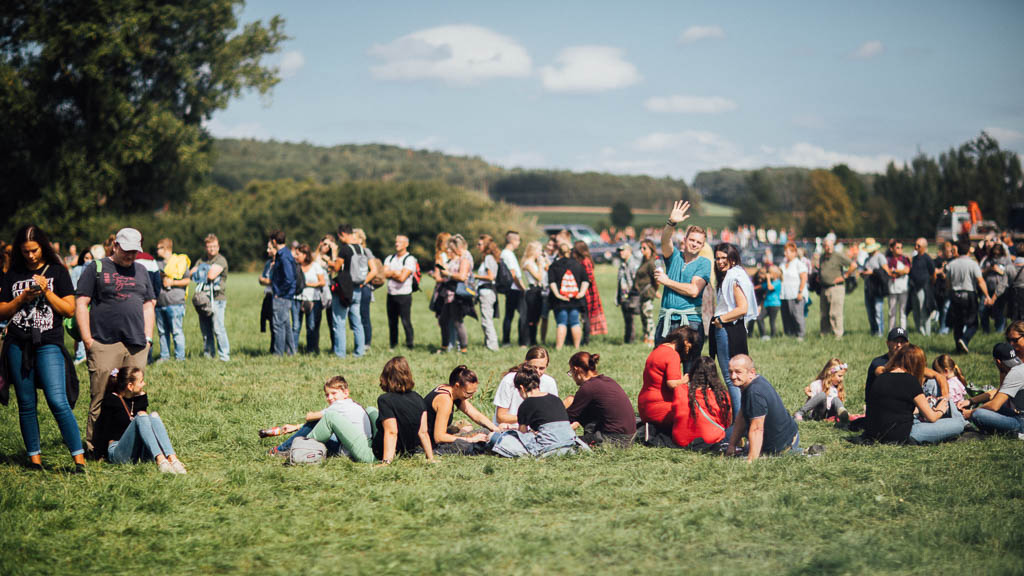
[954,508]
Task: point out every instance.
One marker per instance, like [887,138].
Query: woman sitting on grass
[441,403]
[701,411]
[402,418]
[663,374]
[600,406]
[125,432]
[894,397]
[344,426]
[826,395]
[507,400]
[544,427]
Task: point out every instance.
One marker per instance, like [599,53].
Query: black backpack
[503,279]
[879,283]
[300,279]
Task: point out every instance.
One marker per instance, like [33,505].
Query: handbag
[202,300]
[306,451]
[462,290]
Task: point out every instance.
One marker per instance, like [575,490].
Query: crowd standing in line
[116,294]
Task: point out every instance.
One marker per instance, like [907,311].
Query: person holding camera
[35,295]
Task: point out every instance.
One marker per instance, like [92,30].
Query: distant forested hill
[237,162]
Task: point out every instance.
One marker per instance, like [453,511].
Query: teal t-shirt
[680,271]
[771,299]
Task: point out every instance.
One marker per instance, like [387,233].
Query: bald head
[741,370]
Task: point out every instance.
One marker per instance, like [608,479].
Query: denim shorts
[567,317]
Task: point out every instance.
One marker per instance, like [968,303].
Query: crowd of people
[112,299]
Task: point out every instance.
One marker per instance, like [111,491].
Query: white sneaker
[166,467]
[179,468]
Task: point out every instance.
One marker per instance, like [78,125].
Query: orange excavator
[959,221]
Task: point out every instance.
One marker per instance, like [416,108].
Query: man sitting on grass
[762,419]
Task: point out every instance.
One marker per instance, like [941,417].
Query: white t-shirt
[488,266]
[510,260]
[900,284]
[791,272]
[396,264]
[354,413]
[506,396]
[311,276]
[727,298]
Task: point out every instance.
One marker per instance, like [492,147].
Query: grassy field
[950,509]
[714,216]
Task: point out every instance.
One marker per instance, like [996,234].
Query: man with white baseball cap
[114,309]
[1001,410]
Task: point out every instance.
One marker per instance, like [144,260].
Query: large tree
[103,103]
[828,206]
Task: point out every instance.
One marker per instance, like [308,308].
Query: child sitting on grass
[544,426]
[344,426]
[945,365]
[125,432]
[826,395]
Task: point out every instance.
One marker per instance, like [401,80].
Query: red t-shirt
[655,400]
[708,425]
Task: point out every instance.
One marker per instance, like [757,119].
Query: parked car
[601,252]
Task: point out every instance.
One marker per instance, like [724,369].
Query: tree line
[904,201]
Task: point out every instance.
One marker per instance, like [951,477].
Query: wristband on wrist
[669,222]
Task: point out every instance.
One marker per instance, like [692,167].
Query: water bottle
[275,431]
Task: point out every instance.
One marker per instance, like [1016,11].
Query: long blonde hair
[827,376]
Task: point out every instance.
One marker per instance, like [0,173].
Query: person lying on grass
[441,403]
[600,406]
[125,432]
[344,426]
[544,427]
[826,395]
[402,415]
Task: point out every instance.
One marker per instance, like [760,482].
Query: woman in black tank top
[441,404]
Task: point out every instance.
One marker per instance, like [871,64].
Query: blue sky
[659,88]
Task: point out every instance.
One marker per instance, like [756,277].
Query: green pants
[349,435]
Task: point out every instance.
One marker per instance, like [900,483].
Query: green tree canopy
[622,215]
[828,206]
[104,101]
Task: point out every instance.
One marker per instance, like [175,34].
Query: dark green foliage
[622,215]
[104,102]
[563,188]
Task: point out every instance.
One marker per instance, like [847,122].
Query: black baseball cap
[898,333]
[1005,354]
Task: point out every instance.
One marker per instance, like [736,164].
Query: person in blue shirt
[684,280]
[282,285]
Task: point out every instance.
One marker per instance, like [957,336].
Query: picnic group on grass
[111,299]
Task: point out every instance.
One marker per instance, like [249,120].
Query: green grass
[950,509]
[714,216]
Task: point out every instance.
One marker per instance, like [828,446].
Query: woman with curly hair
[594,320]
[702,409]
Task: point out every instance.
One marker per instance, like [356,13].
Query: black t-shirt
[114,418]
[537,411]
[921,270]
[760,399]
[38,314]
[428,403]
[891,407]
[877,363]
[603,402]
[116,306]
[557,271]
[407,409]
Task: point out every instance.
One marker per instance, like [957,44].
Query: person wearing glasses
[507,399]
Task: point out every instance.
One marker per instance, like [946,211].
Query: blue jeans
[875,308]
[924,432]
[49,371]
[169,321]
[144,439]
[989,421]
[333,445]
[722,353]
[312,319]
[351,313]
[215,336]
[281,325]
[366,298]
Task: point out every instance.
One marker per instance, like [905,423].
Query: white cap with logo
[129,239]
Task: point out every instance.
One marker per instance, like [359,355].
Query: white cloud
[291,63]
[589,69]
[695,33]
[681,104]
[683,154]
[220,129]
[869,50]
[459,54]
[1004,135]
[811,156]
